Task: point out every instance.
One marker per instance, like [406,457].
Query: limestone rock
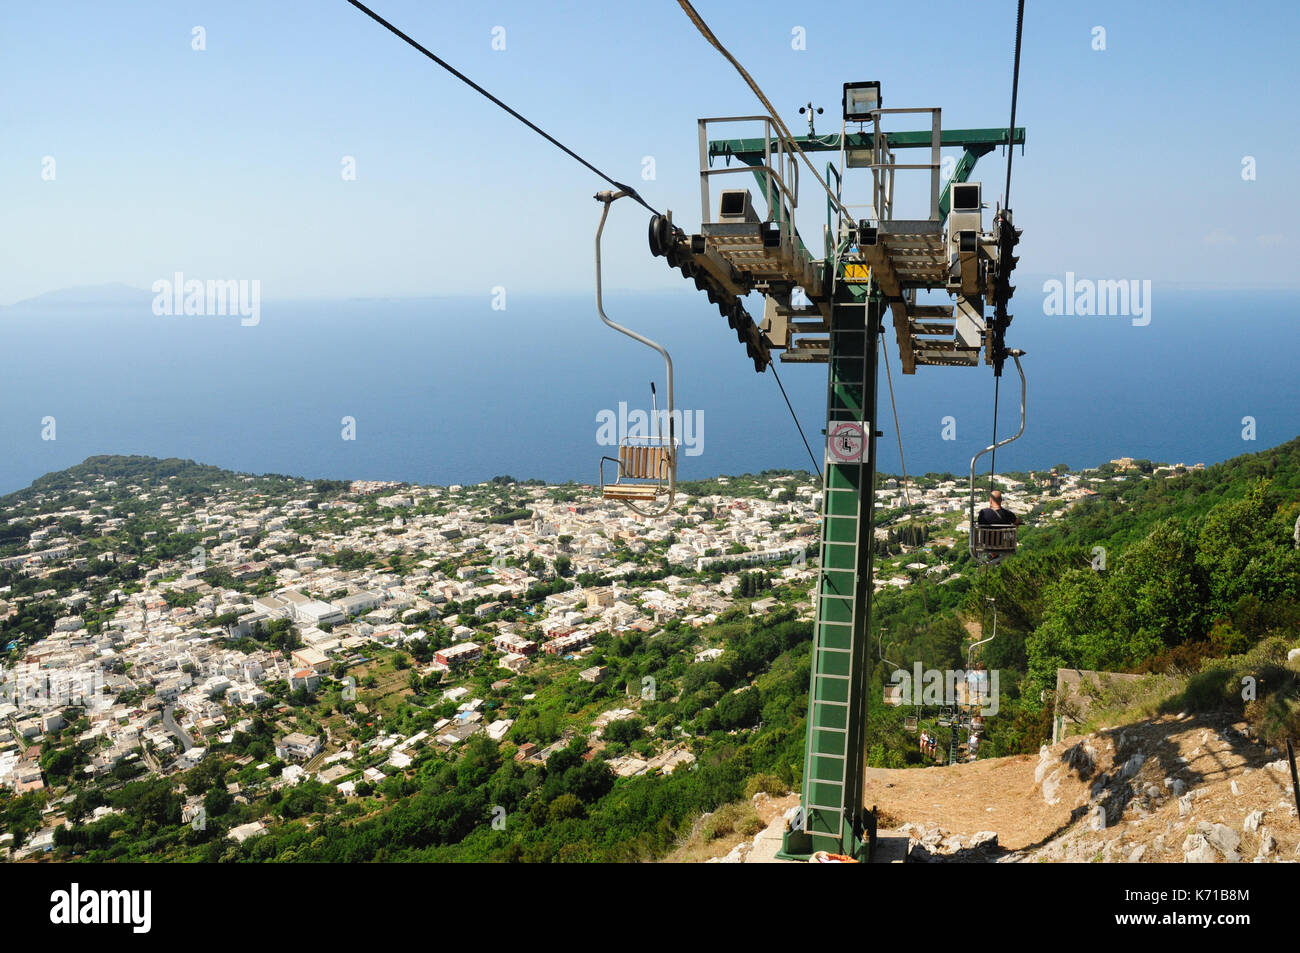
[951,844]
[1226,841]
[1132,766]
[1044,764]
[1197,851]
[1051,785]
[737,854]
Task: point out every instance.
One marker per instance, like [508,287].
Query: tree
[565,806]
[1159,589]
[1084,626]
[625,730]
[739,710]
[58,763]
[1243,548]
[217,802]
[22,815]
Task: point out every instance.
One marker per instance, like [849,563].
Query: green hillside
[1201,573]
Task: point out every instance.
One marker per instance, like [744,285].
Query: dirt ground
[1140,793]
[1178,788]
[968,798]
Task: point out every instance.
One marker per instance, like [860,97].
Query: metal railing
[779,171]
[884,166]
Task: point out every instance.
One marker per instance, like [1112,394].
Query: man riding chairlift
[995,514]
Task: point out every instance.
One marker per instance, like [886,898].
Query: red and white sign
[846,442]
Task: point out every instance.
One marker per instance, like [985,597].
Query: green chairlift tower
[831,310]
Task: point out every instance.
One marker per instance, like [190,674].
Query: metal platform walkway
[738,251]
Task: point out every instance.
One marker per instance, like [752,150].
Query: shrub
[766,783]
[1212,690]
[564,807]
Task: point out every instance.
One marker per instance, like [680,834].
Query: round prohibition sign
[846,442]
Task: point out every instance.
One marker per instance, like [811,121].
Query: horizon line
[123,287]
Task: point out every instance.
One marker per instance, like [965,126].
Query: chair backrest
[998,539]
[644,462]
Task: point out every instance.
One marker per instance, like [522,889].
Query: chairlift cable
[993,457]
[479,89]
[1006,203]
[777,377]
[1015,88]
[897,430]
[782,130]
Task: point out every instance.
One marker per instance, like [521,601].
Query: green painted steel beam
[965,165]
[750,151]
[833,815]
[761,177]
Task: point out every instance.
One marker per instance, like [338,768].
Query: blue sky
[226,162]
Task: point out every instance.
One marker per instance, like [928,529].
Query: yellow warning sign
[854,272]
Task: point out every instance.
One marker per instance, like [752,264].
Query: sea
[459,390]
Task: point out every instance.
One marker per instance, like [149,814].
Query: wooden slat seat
[995,539]
[645,473]
[631,491]
[643,462]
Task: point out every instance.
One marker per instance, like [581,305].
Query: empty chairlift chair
[647,466]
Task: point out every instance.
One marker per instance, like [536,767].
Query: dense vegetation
[1167,574]
[1195,573]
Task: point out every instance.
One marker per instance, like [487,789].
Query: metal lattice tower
[831,310]
[832,812]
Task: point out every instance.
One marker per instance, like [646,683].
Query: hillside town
[146,623]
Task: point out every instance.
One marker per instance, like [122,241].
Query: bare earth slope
[1174,789]
[1170,789]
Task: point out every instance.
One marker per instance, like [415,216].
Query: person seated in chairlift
[995,514]
[977,684]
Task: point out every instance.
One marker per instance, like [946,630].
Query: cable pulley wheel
[660,234]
